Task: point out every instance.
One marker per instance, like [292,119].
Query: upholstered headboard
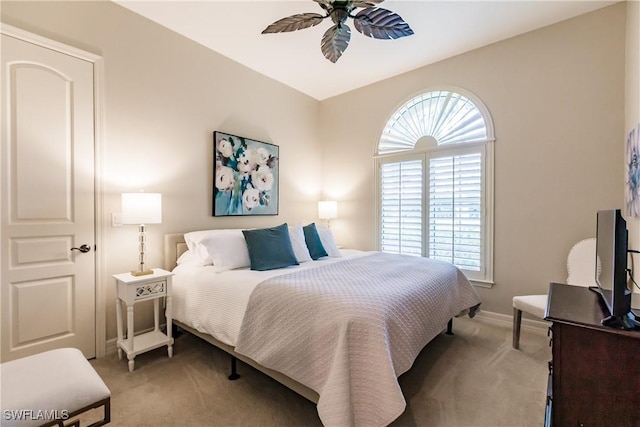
[174,246]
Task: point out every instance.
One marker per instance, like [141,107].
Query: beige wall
[556,96]
[164,96]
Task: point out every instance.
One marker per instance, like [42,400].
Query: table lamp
[141,209]
[327,210]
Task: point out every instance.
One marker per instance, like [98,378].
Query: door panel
[40,170]
[32,298]
[47,180]
[34,251]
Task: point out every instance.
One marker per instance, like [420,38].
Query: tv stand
[594,374]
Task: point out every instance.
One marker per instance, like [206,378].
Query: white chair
[581,267]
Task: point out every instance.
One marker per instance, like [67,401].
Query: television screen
[611,267]
[605,254]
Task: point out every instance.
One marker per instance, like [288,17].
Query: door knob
[83,249]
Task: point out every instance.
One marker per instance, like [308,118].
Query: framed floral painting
[245,176]
[633,172]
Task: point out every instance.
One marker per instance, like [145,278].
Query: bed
[323,328]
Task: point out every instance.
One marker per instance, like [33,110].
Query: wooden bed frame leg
[234,372]
[450,327]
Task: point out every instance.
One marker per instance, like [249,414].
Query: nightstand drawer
[150,290]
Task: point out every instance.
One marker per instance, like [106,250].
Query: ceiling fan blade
[366,3]
[334,41]
[381,23]
[294,22]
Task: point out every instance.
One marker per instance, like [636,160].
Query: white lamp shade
[327,209]
[141,208]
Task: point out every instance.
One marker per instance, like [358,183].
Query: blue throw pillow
[314,244]
[270,248]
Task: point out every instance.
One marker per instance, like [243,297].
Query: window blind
[455,210]
[401,207]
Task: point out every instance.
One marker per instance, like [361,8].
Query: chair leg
[517,320]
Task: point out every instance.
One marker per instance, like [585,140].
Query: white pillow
[193,239]
[296,235]
[227,249]
[192,258]
[328,242]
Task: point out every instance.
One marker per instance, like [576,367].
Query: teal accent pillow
[270,248]
[314,244]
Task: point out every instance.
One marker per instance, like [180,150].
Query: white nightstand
[132,289]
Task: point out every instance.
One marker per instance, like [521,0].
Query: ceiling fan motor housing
[339,15]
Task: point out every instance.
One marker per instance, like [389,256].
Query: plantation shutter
[455,210]
[435,171]
[401,207]
[449,117]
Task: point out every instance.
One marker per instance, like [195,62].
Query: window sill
[488,284]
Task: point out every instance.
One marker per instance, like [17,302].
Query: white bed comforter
[348,329]
[215,302]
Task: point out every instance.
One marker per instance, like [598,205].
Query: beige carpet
[473,378]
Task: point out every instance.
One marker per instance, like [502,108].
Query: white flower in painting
[225,148]
[262,155]
[225,179]
[246,163]
[250,198]
[262,178]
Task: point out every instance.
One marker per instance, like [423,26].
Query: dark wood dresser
[594,374]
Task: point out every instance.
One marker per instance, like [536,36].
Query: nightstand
[132,289]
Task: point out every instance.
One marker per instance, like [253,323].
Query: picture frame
[245,177]
[632,160]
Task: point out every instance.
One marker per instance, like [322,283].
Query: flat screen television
[611,269]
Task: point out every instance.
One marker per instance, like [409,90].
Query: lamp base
[141,272]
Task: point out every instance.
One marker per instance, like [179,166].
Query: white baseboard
[112,347]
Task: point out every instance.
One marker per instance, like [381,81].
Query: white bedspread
[215,302]
[348,329]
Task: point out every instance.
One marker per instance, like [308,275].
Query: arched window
[435,176]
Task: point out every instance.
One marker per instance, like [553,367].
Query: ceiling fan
[372,21]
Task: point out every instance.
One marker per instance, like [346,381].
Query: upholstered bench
[50,388]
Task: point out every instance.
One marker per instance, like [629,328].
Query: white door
[47,201]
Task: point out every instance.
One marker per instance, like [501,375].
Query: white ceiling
[442,29]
